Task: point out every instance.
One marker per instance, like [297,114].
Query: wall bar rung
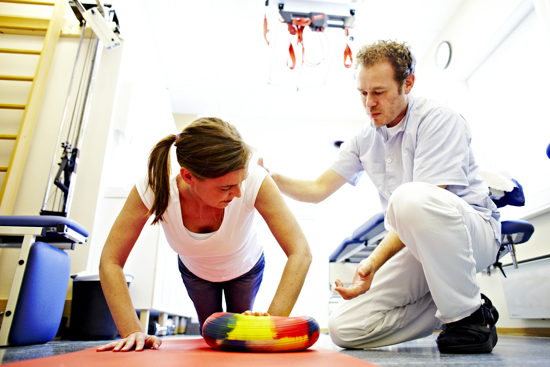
[22,23]
[17,78]
[11,106]
[29,2]
[8,136]
[19,51]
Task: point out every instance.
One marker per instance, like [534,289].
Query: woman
[207,213]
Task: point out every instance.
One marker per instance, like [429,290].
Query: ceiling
[212,58]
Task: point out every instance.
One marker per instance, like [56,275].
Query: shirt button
[389,160]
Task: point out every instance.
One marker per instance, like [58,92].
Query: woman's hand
[255,313]
[138,340]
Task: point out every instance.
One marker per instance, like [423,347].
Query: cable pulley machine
[58,198]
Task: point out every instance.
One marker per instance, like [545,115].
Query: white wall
[492,285]
[474,33]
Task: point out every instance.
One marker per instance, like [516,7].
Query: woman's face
[219,192]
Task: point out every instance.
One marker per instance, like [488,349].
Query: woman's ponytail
[159,176]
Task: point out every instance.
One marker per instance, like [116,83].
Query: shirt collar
[383,129]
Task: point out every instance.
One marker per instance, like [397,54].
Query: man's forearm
[390,245]
[301,190]
[310,191]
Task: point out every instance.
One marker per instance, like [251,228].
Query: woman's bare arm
[284,226]
[119,244]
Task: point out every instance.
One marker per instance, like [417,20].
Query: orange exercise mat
[195,352]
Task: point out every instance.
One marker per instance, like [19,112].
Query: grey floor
[510,351]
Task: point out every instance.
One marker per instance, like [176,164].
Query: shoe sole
[486,347]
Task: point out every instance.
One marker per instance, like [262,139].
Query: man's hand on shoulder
[261,163]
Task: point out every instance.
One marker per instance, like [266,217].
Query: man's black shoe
[473,334]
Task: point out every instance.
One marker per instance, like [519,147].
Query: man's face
[383,100]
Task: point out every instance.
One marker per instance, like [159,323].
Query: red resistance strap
[297,28]
[265,27]
[347,52]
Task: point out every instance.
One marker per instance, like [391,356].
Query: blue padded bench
[362,241]
[37,295]
[366,237]
[514,232]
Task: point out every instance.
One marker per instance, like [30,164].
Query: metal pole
[87,101]
[83,122]
[54,160]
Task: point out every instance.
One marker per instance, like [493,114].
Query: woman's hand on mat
[137,340]
[361,281]
[255,313]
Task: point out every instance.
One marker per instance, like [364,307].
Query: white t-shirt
[393,130]
[233,250]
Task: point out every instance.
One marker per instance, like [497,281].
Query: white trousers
[430,282]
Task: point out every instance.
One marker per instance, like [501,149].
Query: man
[443,227]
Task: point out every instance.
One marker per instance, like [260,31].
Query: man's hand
[361,281]
[138,340]
[390,245]
[261,163]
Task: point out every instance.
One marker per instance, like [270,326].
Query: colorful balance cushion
[242,333]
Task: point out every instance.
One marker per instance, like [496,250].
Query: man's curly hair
[399,54]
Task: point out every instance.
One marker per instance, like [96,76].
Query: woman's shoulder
[141,183]
[256,176]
